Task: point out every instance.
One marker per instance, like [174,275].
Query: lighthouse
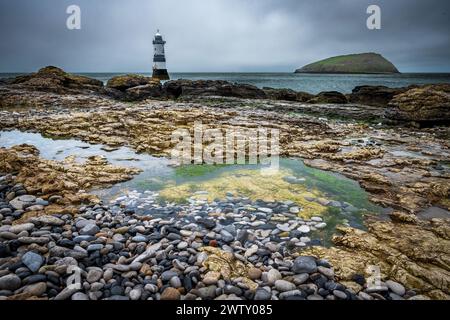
[159,58]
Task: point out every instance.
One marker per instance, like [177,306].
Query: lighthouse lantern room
[159,58]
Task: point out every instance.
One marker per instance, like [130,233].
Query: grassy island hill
[364,63]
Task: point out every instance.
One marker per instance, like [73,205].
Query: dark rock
[378,96]
[4,250]
[10,282]
[203,88]
[359,279]
[304,265]
[207,223]
[151,90]
[332,97]
[262,294]
[207,293]
[287,94]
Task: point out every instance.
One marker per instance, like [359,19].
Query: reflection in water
[336,198]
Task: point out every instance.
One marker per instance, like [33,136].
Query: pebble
[340,294]
[294,210]
[300,278]
[135,294]
[329,273]
[175,282]
[21,227]
[94,274]
[79,296]
[36,289]
[273,275]
[167,275]
[211,278]
[207,293]
[283,285]
[291,294]
[90,229]
[182,245]
[32,260]
[10,282]
[304,229]
[254,273]
[396,287]
[94,247]
[262,294]
[304,265]
[321,225]
[170,294]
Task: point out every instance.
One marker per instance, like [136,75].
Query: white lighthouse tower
[159,58]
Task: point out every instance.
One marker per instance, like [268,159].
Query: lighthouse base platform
[161,74]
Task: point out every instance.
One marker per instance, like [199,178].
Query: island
[363,63]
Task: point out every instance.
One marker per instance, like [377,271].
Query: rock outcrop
[329,97]
[428,104]
[412,252]
[151,90]
[53,79]
[188,88]
[124,82]
[378,96]
[47,178]
[287,95]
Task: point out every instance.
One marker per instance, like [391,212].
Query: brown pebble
[170,294]
[213,243]
[254,273]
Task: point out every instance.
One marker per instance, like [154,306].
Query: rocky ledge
[428,104]
[59,184]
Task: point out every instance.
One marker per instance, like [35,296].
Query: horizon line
[250,72]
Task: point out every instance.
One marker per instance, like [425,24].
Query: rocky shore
[420,105]
[227,250]
[54,231]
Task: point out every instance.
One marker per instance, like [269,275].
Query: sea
[311,83]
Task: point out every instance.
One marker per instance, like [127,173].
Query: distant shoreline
[312,83]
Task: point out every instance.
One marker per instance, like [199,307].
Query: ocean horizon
[311,83]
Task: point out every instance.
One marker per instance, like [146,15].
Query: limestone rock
[124,82]
[416,255]
[428,104]
[53,79]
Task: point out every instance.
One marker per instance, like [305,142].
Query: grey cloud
[220,35]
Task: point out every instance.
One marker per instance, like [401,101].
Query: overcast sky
[220,35]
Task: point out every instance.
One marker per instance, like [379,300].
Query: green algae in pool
[319,193]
